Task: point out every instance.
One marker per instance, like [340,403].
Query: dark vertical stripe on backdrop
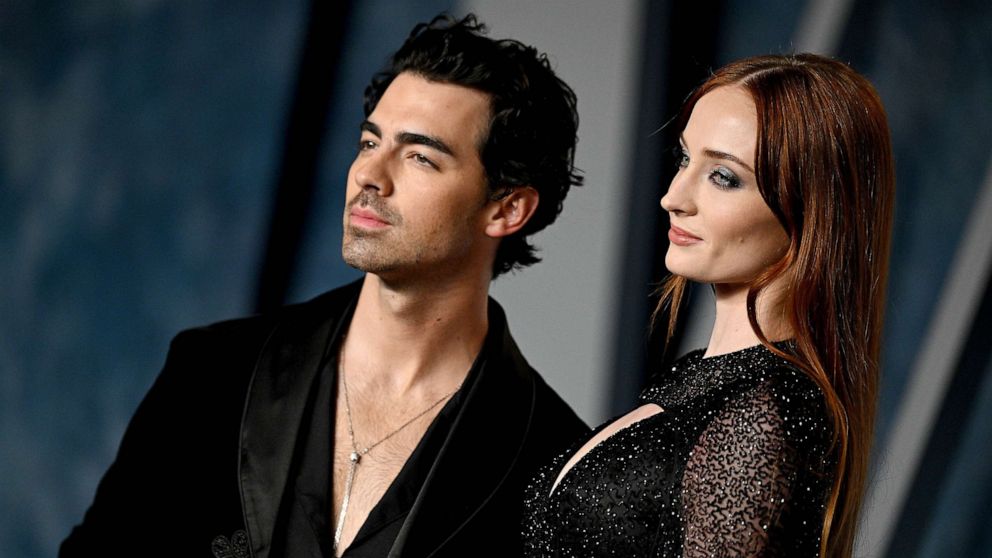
[860,34]
[678,50]
[943,445]
[305,128]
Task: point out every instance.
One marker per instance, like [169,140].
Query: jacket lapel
[485,442]
[277,399]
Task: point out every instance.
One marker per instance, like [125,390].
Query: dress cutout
[737,464]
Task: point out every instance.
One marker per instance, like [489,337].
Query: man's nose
[372,172]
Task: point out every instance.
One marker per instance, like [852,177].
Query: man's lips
[367,218]
[681,237]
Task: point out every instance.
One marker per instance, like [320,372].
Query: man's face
[417,188]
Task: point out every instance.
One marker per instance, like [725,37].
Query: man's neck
[412,338]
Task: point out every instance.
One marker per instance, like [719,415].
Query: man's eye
[365,144]
[421,159]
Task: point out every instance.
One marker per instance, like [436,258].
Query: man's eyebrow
[720,155]
[409,138]
[371,128]
[421,139]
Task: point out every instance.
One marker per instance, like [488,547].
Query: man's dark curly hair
[533,120]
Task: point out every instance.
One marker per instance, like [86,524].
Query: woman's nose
[678,198]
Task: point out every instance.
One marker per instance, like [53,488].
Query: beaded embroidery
[236,547]
[736,464]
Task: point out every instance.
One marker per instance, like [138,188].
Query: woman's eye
[681,157]
[725,179]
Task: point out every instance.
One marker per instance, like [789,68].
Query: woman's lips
[681,237]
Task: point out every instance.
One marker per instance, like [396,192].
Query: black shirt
[308,531]
[212,457]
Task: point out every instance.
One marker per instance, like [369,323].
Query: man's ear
[510,213]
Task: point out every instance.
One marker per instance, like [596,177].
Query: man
[394,416]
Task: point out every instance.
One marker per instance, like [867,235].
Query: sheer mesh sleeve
[737,465]
[755,475]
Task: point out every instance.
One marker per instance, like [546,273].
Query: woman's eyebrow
[727,157]
[713,153]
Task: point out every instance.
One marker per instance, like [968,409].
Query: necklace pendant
[354,457]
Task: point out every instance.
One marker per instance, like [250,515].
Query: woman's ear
[510,213]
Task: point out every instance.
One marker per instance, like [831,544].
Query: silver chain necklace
[356,455]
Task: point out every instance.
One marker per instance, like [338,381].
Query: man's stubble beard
[371,251]
[394,249]
[375,252]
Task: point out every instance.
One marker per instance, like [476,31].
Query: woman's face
[722,231]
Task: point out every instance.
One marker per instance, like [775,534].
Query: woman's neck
[732,330]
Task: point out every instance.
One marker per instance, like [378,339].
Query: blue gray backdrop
[148,150]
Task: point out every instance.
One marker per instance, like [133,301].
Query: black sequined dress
[736,464]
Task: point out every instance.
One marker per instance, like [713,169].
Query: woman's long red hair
[824,166]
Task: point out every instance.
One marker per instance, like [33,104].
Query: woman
[759,445]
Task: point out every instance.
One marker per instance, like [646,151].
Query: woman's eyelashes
[724,178]
[721,176]
[681,157]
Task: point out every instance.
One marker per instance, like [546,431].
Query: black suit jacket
[205,461]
